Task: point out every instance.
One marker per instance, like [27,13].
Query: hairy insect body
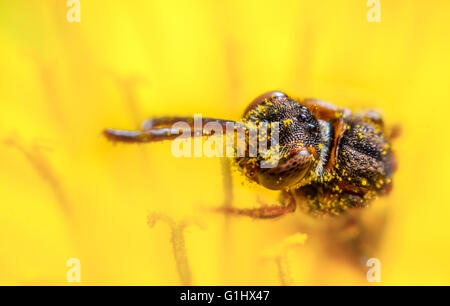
[330,159]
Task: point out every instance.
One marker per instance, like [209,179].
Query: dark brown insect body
[331,160]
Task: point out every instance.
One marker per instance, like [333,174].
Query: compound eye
[309,124]
[312,127]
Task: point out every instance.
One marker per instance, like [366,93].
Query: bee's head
[299,137]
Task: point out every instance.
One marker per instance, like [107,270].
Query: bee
[331,160]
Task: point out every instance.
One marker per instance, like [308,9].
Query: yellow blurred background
[66,192]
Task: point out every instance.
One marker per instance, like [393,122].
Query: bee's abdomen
[364,156]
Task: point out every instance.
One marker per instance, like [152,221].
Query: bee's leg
[324,110]
[326,202]
[394,132]
[159,129]
[287,206]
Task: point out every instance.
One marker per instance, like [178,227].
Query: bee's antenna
[139,136]
[160,129]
